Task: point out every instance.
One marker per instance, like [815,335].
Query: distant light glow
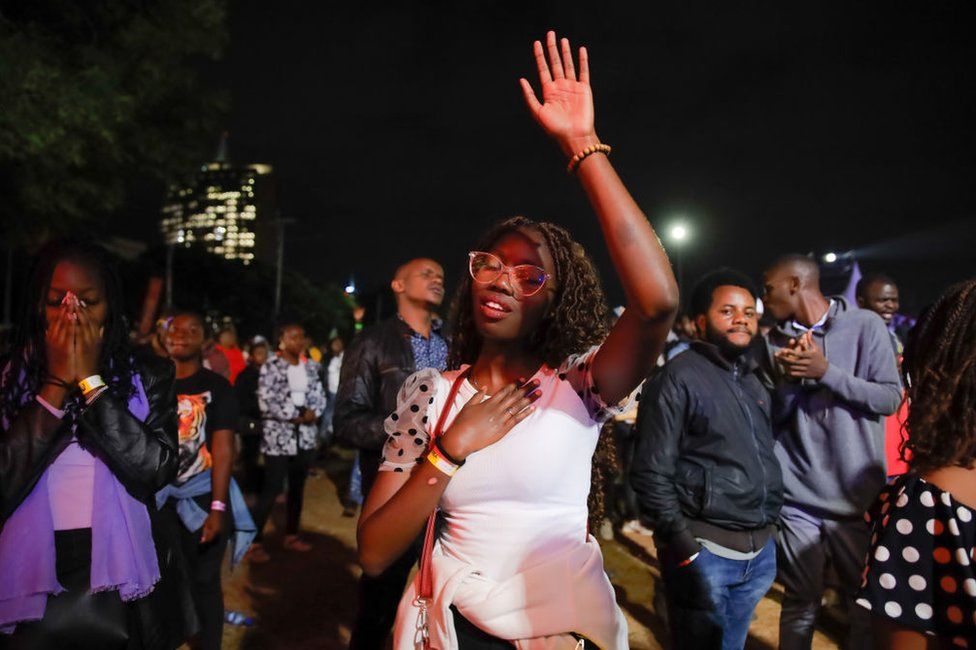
[830,258]
[679,232]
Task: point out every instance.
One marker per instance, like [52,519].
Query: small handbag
[425,587]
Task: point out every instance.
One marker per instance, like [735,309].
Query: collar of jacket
[435,326]
[282,363]
[746,362]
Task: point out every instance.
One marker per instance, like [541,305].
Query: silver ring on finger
[510,412]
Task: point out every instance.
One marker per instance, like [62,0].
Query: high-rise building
[225,208]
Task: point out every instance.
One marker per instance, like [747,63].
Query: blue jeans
[356,483]
[711,601]
[325,423]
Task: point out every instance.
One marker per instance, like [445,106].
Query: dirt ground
[308,600]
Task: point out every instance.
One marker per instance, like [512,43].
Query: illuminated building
[225,208]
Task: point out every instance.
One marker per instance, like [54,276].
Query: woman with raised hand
[88,434]
[534,375]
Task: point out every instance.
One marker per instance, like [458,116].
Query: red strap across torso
[425,589]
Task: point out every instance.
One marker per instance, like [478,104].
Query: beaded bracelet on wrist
[575,161]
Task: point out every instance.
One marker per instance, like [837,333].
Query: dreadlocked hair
[26,371]
[577,318]
[939,369]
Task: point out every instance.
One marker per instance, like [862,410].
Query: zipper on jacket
[736,374]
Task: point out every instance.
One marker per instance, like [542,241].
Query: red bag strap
[425,589]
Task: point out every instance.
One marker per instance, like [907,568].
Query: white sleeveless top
[523,499]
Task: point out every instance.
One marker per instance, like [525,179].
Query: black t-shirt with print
[205,403]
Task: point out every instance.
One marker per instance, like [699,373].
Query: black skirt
[77,618]
[471,637]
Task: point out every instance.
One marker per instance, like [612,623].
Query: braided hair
[577,318]
[939,369]
[26,371]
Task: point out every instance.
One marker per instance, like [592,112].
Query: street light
[679,233]
[830,258]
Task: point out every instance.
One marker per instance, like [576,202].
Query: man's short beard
[729,350]
[198,356]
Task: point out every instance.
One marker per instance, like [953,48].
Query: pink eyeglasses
[528,279]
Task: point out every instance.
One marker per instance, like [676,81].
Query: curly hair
[26,371]
[577,318]
[939,369]
[605,468]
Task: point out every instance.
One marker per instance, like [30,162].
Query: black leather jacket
[705,450]
[376,364]
[143,456]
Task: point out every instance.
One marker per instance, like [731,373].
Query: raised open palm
[566,110]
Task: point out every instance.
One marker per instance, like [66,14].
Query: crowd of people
[767,432]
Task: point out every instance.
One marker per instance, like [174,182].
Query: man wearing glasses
[376,364]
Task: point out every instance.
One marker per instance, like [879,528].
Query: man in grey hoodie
[834,379]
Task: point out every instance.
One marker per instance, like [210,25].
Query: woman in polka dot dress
[920,578]
[534,376]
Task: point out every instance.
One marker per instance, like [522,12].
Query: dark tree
[95,96]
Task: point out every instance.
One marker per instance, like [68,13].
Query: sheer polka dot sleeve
[921,567]
[577,369]
[407,427]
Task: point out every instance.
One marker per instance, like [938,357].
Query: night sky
[784,127]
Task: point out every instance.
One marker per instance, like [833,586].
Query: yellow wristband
[88,384]
[445,466]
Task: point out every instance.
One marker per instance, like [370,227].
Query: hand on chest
[545,458]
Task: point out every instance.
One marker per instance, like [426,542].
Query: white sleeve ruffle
[407,427]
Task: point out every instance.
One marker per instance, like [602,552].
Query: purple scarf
[123,555]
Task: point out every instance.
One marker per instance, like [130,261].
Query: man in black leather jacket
[375,366]
[705,474]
